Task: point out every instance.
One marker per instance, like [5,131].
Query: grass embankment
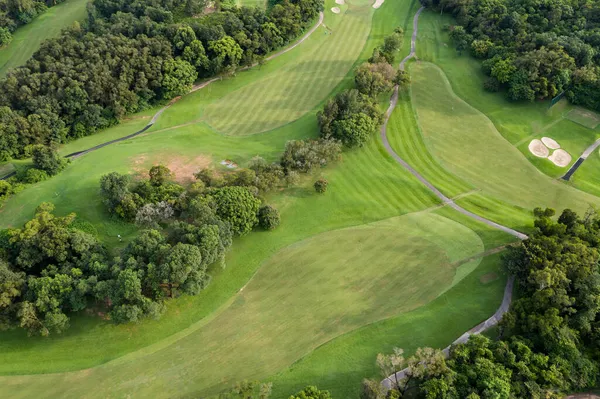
[367,186]
[303,296]
[28,38]
[519,122]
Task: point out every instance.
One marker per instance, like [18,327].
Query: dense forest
[549,341]
[129,55]
[15,13]
[533,49]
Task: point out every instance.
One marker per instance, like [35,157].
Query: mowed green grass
[467,144]
[340,365]
[366,187]
[303,296]
[293,90]
[518,122]
[28,38]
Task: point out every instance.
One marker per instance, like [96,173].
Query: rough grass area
[27,39]
[584,117]
[467,144]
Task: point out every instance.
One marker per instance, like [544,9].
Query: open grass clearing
[28,38]
[347,278]
[467,144]
[341,364]
[518,122]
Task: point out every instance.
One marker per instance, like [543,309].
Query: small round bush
[33,175]
[321,186]
[5,189]
[268,217]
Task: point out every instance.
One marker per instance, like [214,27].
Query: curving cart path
[507,299]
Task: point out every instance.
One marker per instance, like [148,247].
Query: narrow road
[195,88]
[391,380]
[588,151]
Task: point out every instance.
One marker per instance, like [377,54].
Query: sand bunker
[538,148]
[335,10]
[378,3]
[560,158]
[340,2]
[550,143]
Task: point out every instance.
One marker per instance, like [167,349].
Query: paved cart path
[507,299]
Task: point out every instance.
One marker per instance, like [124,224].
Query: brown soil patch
[183,168]
[136,117]
[488,278]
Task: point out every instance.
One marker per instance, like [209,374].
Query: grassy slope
[519,122]
[267,326]
[296,88]
[27,39]
[366,186]
[341,364]
[455,132]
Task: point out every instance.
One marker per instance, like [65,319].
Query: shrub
[33,175]
[321,186]
[5,189]
[268,217]
[47,159]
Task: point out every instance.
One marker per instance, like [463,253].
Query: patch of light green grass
[340,365]
[28,38]
[293,90]
[467,144]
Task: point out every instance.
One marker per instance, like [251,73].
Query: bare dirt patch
[488,278]
[538,149]
[378,3]
[183,168]
[335,10]
[550,143]
[560,158]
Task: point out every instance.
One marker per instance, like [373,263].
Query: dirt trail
[507,298]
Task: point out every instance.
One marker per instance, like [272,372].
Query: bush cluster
[129,55]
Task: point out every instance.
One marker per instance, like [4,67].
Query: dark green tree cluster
[350,117]
[549,340]
[15,13]
[353,116]
[128,55]
[50,269]
[533,49]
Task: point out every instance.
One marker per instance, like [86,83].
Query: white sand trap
[378,3]
[335,10]
[538,149]
[340,2]
[560,158]
[550,143]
